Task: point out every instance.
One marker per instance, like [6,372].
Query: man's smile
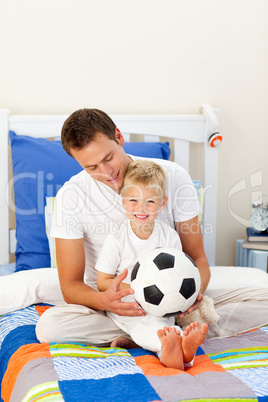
[114,178]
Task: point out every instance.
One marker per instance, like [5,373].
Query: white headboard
[183,128]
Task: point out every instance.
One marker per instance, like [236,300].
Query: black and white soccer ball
[166,282]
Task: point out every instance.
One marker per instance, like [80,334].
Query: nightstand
[250,258]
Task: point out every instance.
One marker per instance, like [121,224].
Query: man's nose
[106,169]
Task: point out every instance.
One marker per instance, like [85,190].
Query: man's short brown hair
[80,128]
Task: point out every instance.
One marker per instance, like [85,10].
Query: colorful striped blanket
[229,369]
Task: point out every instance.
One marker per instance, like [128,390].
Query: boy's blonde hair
[147,173]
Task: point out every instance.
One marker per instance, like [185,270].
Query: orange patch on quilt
[203,364]
[41,309]
[16,363]
[151,365]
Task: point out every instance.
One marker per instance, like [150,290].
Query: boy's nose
[142,206]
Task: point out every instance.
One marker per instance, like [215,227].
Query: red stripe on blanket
[16,363]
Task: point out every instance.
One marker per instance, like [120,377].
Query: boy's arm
[71,269]
[105,280]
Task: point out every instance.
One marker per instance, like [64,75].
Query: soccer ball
[166,282]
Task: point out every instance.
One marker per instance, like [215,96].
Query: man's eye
[133,200]
[109,158]
[150,201]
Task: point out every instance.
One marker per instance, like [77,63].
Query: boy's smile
[142,205]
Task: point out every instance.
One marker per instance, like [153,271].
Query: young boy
[143,197]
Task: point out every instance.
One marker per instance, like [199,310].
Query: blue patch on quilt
[77,368]
[140,352]
[18,337]
[199,351]
[263,398]
[255,378]
[18,318]
[121,388]
[143,352]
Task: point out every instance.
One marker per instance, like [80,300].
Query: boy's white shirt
[123,248]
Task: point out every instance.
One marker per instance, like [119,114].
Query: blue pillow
[40,168]
[158,150]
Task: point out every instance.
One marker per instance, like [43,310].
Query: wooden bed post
[4,224]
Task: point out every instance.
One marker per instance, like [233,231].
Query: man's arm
[192,244]
[71,269]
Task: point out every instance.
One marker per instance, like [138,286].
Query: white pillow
[21,289]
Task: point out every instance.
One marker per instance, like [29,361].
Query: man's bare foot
[171,351]
[191,339]
[123,342]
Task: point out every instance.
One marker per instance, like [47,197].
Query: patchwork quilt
[229,369]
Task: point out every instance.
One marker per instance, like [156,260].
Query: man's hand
[194,306]
[111,299]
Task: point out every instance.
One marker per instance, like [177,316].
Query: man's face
[104,160]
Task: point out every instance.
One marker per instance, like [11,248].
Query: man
[86,209]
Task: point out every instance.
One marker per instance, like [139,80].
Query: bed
[232,368]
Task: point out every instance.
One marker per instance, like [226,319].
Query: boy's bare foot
[191,339]
[123,342]
[171,352]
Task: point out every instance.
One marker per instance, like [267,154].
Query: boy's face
[104,160]
[143,203]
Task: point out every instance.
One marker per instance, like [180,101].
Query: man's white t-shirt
[123,248]
[88,209]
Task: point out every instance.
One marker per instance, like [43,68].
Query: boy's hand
[113,295]
[194,306]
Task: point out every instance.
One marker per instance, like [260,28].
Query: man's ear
[119,137]
[163,203]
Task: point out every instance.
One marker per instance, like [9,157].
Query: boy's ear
[163,203]
[123,200]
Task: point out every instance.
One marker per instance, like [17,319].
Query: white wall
[150,56]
